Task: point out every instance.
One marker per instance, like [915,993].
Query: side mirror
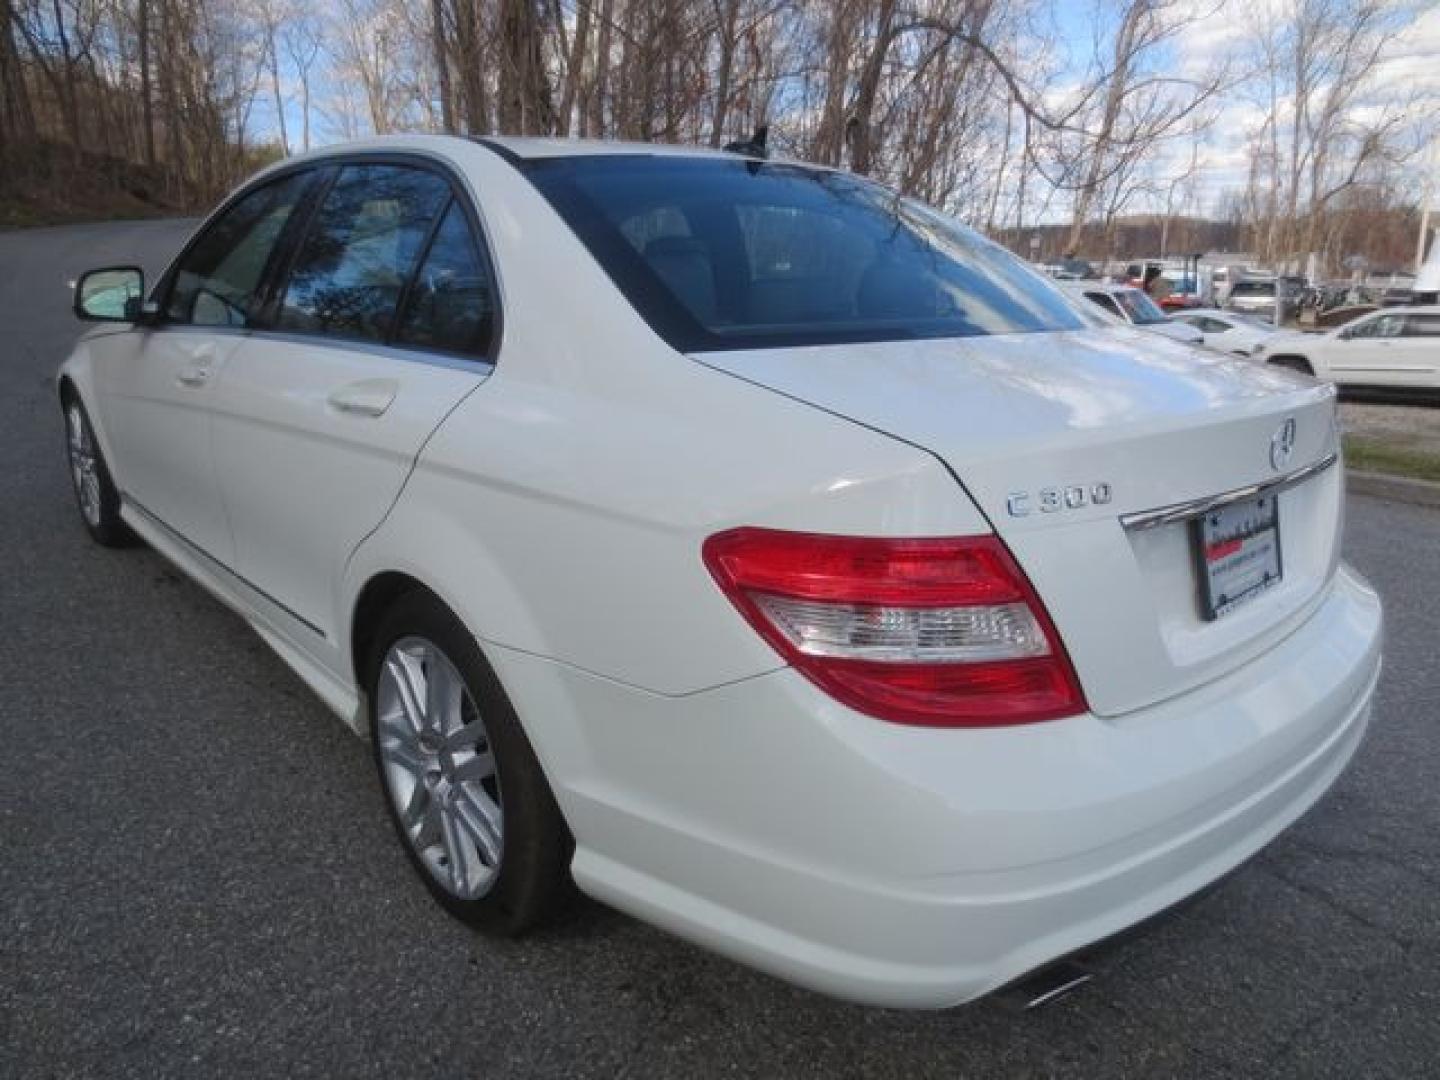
[114,294]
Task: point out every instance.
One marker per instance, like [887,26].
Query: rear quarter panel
[561,508]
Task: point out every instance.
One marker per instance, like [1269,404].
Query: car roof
[528,149]
[1100,286]
[533,148]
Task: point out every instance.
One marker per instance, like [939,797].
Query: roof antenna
[755,147]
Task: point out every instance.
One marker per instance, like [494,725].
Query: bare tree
[1129,107]
[302,36]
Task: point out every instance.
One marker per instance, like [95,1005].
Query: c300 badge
[1052,500]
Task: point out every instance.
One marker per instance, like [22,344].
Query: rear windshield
[1253,288]
[719,254]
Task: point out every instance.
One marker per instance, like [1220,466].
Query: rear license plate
[1238,553]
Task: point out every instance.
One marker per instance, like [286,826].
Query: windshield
[1141,310]
[721,254]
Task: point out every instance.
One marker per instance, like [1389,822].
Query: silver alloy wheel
[439,768]
[84,464]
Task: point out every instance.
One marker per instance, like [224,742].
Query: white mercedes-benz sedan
[767,554]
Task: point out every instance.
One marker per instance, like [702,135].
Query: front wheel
[465,791]
[95,490]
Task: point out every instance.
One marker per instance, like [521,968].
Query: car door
[155,388]
[1368,353]
[1420,349]
[382,324]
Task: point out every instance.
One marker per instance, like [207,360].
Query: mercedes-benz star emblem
[1282,445]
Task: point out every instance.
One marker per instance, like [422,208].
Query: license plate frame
[1238,554]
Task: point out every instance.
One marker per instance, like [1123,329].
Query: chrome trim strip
[1186,511]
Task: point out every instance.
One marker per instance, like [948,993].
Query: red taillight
[941,632]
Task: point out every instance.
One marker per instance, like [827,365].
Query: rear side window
[217,281]
[451,304]
[1103,300]
[1422,326]
[723,254]
[349,275]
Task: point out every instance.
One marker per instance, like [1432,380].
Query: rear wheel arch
[378,595]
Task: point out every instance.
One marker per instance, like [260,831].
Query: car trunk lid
[1108,426]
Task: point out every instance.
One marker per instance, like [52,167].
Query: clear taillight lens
[943,632]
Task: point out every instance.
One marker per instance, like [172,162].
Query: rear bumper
[921,868]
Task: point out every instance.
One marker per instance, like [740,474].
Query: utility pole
[1427,195]
[1424,235]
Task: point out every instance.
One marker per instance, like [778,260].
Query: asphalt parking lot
[197,877]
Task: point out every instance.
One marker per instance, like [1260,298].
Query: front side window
[722,254]
[217,281]
[351,269]
[1383,326]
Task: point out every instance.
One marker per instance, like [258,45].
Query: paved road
[196,876]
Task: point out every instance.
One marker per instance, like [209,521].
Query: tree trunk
[575,68]
[727,12]
[438,42]
[525,106]
[274,62]
[858,124]
[147,107]
[600,86]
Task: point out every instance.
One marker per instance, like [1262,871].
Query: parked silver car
[1256,296]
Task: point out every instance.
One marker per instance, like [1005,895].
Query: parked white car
[1134,306]
[1227,331]
[779,559]
[1393,348]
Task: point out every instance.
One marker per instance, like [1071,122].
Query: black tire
[533,881]
[1294,363]
[100,507]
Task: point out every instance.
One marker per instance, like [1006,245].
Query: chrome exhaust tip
[1046,986]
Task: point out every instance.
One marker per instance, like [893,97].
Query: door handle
[368,397]
[197,371]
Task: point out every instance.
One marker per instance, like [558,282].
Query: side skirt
[267,618]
